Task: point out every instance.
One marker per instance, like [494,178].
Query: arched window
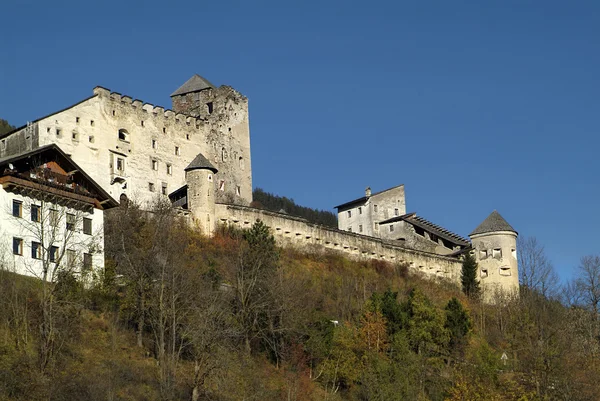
[123,135]
[223,155]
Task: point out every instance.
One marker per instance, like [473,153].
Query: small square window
[169,169]
[35,213]
[92,123]
[375,208]
[151,186]
[77,120]
[75,136]
[36,250]
[164,188]
[349,213]
[91,138]
[17,246]
[17,208]
[70,221]
[391,228]
[58,132]
[53,253]
[359,210]
[154,165]
[177,151]
[87,226]
[209,107]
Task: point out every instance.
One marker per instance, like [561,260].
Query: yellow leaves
[373,332]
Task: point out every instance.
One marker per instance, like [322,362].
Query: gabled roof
[494,222]
[364,198]
[201,162]
[441,232]
[52,152]
[195,84]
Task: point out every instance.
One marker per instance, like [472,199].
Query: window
[484,273]
[87,261]
[123,135]
[17,246]
[87,226]
[91,138]
[53,253]
[483,254]
[222,185]
[349,213]
[36,250]
[54,217]
[238,190]
[58,132]
[209,107]
[92,123]
[223,154]
[513,252]
[497,253]
[177,151]
[210,178]
[35,213]
[242,163]
[75,136]
[17,208]
[360,228]
[142,123]
[113,113]
[187,136]
[359,210]
[154,165]
[505,271]
[120,164]
[70,221]
[169,169]
[391,228]
[164,130]
[396,212]
[151,186]
[70,257]
[164,188]
[349,229]
[154,144]
[3,147]
[375,208]
[376,226]
[77,120]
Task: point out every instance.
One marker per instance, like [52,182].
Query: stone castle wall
[297,232]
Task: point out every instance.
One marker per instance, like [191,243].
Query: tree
[458,324]
[468,278]
[535,270]
[5,127]
[588,282]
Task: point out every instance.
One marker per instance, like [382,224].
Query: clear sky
[474,106]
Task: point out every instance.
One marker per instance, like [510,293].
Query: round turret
[201,192]
[495,246]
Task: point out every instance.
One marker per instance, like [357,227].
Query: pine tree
[470,284]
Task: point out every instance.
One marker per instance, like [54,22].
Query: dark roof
[195,84]
[441,232]
[38,154]
[494,222]
[201,162]
[364,198]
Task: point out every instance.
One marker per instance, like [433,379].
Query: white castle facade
[198,155]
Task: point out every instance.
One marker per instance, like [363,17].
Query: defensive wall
[299,233]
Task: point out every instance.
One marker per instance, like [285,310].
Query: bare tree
[588,282]
[536,272]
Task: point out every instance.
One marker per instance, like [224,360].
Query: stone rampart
[299,233]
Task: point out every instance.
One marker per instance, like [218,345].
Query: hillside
[5,127]
[178,316]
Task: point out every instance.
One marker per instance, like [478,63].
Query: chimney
[368,192]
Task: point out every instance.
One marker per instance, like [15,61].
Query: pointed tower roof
[195,84]
[494,222]
[201,162]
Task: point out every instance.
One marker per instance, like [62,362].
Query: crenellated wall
[297,232]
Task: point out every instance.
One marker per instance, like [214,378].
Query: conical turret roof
[201,162]
[494,222]
[195,84]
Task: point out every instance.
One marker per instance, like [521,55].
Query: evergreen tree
[5,127]
[470,284]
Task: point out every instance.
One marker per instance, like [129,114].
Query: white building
[51,215]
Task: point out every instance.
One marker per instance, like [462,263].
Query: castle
[198,155]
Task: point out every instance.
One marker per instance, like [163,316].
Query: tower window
[154,144]
[169,169]
[349,213]
[359,210]
[154,165]
[92,123]
[497,253]
[209,107]
[375,208]
[238,190]
[177,151]
[123,135]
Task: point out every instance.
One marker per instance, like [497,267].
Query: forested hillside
[275,203]
[177,316]
[5,127]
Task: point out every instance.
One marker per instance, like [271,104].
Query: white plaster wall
[29,231]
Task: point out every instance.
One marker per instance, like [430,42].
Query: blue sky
[474,106]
